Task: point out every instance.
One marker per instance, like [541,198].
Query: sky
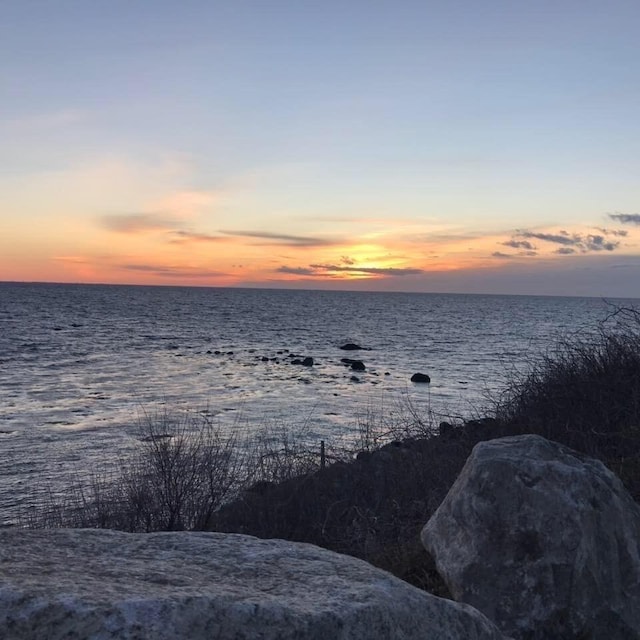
[437,146]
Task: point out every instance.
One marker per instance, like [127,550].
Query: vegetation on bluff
[372,500]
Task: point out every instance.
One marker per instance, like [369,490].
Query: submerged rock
[356,365]
[305,362]
[351,346]
[98,584]
[542,540]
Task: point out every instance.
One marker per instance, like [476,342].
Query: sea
[83,366]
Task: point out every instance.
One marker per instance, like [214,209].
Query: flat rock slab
[541,539]
[100,585]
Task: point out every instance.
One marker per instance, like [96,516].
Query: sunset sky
[455,146]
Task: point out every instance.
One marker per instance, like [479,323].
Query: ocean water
[81,365]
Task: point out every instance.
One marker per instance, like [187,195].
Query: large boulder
[98,584]
[542,540]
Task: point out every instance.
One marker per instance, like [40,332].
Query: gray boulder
[101,585]
[542,540]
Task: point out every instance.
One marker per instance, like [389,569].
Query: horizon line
[310,290]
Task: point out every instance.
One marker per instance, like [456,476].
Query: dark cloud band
[329,270]
[172,272]
[283,239]
[584,243]
[626,218]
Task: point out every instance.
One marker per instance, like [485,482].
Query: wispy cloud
[520,254]
[137,222]
[183,237]
[562,237]
[598,243]
[297,271]
[626,218]
[613,232]
[331,270]
[382,271]
[584,243]
[172,225]
[71,259]
[172,271]
[519,244]
[283,239]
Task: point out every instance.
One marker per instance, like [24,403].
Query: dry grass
[586,394]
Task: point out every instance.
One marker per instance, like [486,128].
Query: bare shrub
[276,453]
[585,393]
[184,470]
[87,502]
[372,506]
[394,420]
[181,472]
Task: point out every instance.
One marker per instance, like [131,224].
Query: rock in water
[351,346]
[98,584]
[420,377]
[544,541]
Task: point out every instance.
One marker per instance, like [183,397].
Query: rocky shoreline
[533,540]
